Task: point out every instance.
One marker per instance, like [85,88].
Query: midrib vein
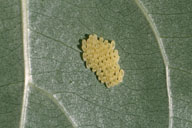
[27,69]
[164,56]
[27,66]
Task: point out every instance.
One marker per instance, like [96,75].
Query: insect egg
[102,58]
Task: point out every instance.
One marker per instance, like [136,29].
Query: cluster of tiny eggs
[103,59]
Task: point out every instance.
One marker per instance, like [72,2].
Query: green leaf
[44,82]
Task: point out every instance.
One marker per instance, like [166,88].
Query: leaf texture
[47,83]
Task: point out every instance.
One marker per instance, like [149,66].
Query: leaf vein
[55,101]
[164,56]
[64,44]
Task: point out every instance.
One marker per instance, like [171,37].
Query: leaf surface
[44,81]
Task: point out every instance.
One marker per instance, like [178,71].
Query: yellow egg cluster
[103,59]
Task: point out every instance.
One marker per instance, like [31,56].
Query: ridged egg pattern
[101,57]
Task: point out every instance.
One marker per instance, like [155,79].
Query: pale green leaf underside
[154,43]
